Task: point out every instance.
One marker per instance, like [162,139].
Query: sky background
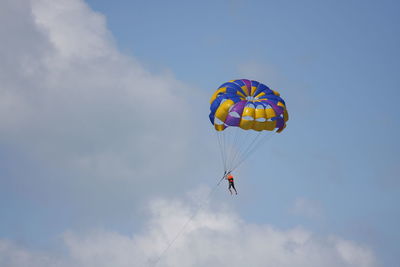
[106,148]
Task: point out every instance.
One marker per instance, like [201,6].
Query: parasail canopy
[249,105]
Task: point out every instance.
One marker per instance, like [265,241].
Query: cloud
[215,237]
[86,131]
[70,100]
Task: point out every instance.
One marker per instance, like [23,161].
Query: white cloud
[12,256]
[215,237]
[84,126]
[69,98]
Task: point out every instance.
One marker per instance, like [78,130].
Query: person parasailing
[229,177]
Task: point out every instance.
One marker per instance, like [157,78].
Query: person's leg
[233,185]
[230,185]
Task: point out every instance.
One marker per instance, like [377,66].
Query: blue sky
[104,129]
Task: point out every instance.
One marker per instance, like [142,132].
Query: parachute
[245,113]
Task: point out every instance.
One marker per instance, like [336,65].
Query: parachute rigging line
[249,152]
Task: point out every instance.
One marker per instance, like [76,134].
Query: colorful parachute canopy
[248,105]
